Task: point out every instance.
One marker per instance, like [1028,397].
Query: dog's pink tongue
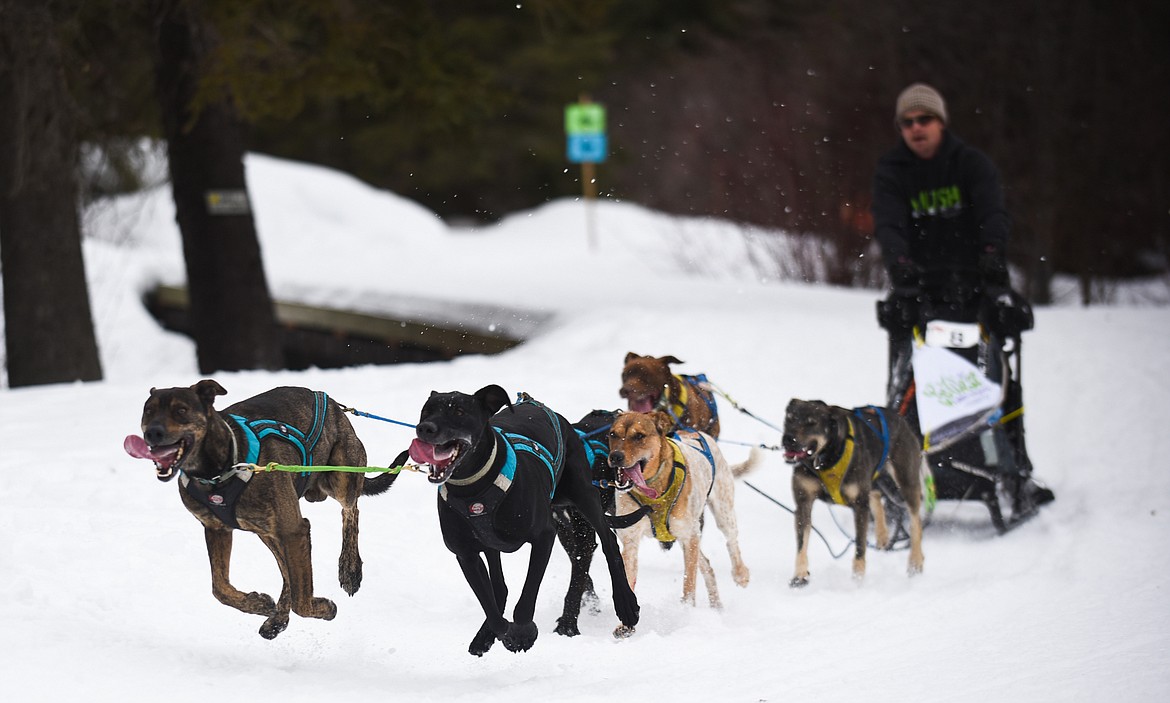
[426,453]
[137,447]
[634,473]
[422,452]
[794,456]
[641,405]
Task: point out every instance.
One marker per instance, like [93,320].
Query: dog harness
[867,414]
[221,493]
[479,509]
[661,506]
[833,476]
[678,406]
[597,452]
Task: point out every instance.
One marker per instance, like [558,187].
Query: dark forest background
[765,112]
[770,112]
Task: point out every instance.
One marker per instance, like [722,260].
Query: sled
[958,384]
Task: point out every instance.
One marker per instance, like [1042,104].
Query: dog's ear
[207,389]
[838,423]
[630,356]
[668,360]
[664,422]
[492,398]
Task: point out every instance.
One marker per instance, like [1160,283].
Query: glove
[993,271]
[899,312]
[1007,314]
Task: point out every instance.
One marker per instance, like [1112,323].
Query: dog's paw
[590,602]
[258,604]
[622,632]
[628,611]
[320,608]
[479,649]
[741,575]
[567,627]
[625,603]
[273,626]
[520,636]
[798,582]
[483,641]
[350,576]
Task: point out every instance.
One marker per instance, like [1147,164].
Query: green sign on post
[584,118]
[585,129]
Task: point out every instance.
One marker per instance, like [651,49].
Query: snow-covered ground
[106,577]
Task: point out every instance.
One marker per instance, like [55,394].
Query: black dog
[500,476]
[574,531]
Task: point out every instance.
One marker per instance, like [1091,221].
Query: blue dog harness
[866,415]
[221,493]
[479,509]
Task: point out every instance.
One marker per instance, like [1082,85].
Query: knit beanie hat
[920,96]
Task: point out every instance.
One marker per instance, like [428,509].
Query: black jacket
[940,214]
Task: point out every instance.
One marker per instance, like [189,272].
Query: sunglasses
[921,121]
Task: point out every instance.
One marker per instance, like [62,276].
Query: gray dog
[839,456]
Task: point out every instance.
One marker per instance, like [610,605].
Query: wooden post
[585,128]
[589,194]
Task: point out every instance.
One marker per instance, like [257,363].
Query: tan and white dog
[677,479]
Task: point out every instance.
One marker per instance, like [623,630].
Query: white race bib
[951,392]
[956,335]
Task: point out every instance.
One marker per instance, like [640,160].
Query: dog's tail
[382,482]
[755,458]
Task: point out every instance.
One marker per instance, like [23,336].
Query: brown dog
[840,456]
[677,479]
[184,433]
[649,385]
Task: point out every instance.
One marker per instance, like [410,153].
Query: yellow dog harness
[832,477]
[675,406]
[661,506]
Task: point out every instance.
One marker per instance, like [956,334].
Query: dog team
[515,473]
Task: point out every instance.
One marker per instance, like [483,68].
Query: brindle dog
[184,433]
[649,385]
[837,456]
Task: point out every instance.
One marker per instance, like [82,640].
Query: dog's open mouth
[793,455]
[166,458]
[440,457]
[630,477]
[642,404]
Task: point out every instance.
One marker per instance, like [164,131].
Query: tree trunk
[49,334]
[232,317]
